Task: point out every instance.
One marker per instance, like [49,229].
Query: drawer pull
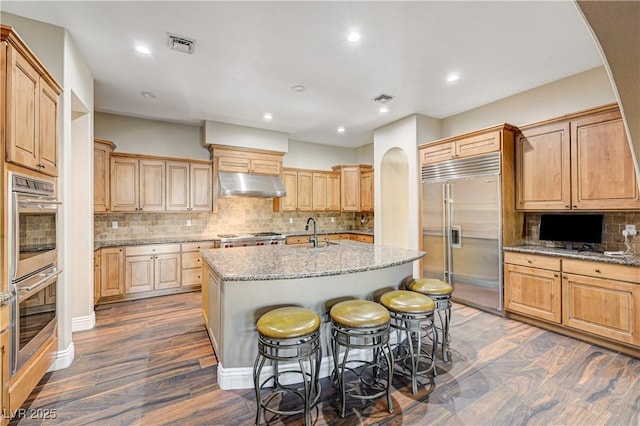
[556,275]
[528,261]
[598,270]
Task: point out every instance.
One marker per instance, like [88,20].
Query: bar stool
[288,334]
[440,292]
[412,313]
[361,324]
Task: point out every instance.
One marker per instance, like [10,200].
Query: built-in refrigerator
[461,228]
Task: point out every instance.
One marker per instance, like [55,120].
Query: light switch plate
[188,222]
[290,220]
[631,229]
[114,225]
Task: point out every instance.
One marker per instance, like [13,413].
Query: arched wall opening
[394,198]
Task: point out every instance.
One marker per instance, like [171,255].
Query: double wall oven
[33,271]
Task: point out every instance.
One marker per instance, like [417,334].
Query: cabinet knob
[528,261]
[556,275]
[567,207]
[575,207]
[598,270]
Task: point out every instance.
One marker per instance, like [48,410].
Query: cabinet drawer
[191,277]
[196,247]
[298,239]
[152,249]
[602,270]
[191,260]
[532,260]
[364,238]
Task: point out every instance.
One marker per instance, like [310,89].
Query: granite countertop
[290,262]
[174,240]
[4,297]
[574,254]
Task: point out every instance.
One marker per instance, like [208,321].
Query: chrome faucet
[313,239]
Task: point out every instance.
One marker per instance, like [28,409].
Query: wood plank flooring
[149,362]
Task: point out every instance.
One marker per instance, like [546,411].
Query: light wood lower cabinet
[152,267]
[4,359]
[602,299]
[533,290]
[595,301]
[192,262]
[96,276]
[112,272]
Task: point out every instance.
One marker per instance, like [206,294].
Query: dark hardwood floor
[149,362]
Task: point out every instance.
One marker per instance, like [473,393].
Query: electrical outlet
[290,220]
[114,225]
[333,219]
[631,229]
[188,222]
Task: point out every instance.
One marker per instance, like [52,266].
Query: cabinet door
[234,164]
[266,167]
[602,306]
[438,152]
[112,272]
[124,184]
[319,192]
[333,191]
[167,271]
[96,277]
[305,188]
[22,122]
[101,199]
[534,292]
[4,373]
[477,145]
[366,191]
[603,173]
[290,201]
[48,118]
[350,191]
[201,199]
[139,273]
[152,185]
[177,185]
[543,169]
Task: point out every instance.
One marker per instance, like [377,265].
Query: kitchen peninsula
[243,283]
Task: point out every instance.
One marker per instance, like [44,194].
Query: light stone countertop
[290,262]
[574,254]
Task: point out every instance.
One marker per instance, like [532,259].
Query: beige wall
[244,137]
[305,155]
[151,137]
[568,95]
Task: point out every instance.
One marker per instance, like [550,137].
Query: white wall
[151,137]
[305,155]
[364,154]
[572,94]
[244,137]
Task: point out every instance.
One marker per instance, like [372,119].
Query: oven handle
[26,291]
[38,201]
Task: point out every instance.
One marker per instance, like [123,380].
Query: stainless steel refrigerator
[461,228]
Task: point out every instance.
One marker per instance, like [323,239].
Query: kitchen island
[243,283]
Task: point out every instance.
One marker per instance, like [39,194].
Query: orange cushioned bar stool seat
[288,335]
[361,325]
[412,313]
[440,292]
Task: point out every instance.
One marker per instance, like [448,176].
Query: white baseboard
[63,358]
[83,323]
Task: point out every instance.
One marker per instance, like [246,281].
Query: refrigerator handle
[448,266]
[456,232]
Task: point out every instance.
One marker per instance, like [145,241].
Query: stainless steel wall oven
[33,272]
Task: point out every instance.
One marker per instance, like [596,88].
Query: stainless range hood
[251,185]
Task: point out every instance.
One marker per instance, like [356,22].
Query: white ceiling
[249,54]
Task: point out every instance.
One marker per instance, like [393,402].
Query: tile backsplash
[235,215]
[614,223]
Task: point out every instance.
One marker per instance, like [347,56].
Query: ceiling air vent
[181,44]
[382,98]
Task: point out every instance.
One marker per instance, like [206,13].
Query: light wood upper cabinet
[481,143]
[189,186]
[305,191]
[319,191]
[238,160]
[580,162]
[102,149]
[351,187]
[602,169]
[137,185]
[543,176]
[288,203]
[366,191]
[30,107]
[333,192]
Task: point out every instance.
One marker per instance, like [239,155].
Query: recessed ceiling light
[353,37]
[383,109]
[298,88]
[148,95]
[267,116]
[453,77]
[143,49]
[341,130]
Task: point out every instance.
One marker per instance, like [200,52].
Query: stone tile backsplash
[613,240]
[235,215]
